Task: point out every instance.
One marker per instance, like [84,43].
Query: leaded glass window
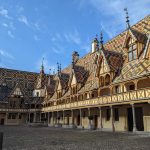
[132,53]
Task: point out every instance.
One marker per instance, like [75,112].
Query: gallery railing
[130,96]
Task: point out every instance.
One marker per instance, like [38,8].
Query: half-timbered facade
[108,89]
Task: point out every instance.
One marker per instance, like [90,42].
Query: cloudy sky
[33,29]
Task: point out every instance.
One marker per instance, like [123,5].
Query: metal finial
[49,71]
[53,71]
[127,18]
[72,61]
[57,67]
[60,67]
[96,36]
[101,40]
[42,66]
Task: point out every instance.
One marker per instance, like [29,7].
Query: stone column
[80,117]
[100,118]
[112,119]
[29,117]
[40,116]
[34,119]
[48,118]
[89,114]
[72,117]
[52,118]
[17,118]
[63,117]
[57,121]
[134,119]
[6,118]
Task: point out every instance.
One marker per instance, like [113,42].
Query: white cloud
[37,26]
[5,25]
[73,36]
[4,53]
[4,12]
[20,9]
[24,20]
[5,58]
[111,13]
[36,38]
[10,34]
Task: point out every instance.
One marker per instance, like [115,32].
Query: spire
[49,78]
[42,66]
[127,18]
[101,41]
[49,71]
[73,61]
[57,67]
[54,71]
[60,67]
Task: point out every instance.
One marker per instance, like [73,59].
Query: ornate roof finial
[101,40]
[54,71]
[42,66]
[96,36]
[73,60]
[60,67]
[57,67]
[127,18]
[49,71]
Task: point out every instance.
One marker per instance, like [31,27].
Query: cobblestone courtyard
[31,138]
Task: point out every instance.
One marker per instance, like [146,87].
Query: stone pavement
[44,138]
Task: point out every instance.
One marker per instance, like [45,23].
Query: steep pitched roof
[116,43]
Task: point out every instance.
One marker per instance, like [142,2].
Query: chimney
[75,56]
[95,45]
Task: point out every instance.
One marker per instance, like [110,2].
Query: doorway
[2,121]
[78,120]
[138,117]
[95,121]
[67,119]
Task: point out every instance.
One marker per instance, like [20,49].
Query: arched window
[132,50]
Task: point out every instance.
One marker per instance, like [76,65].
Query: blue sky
[33,29]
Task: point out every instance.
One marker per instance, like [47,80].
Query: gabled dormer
[49,87]
[40,84]
[59,89]
[134,43]
[73,83]
[17,91]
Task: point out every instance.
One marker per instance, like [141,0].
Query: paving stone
[48,138]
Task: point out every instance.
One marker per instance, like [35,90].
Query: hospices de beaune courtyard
[108,89]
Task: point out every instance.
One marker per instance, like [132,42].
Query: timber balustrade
[136,95]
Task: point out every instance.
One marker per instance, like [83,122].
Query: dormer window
[59,94]
[132,50]
[73,90]
[37,94]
